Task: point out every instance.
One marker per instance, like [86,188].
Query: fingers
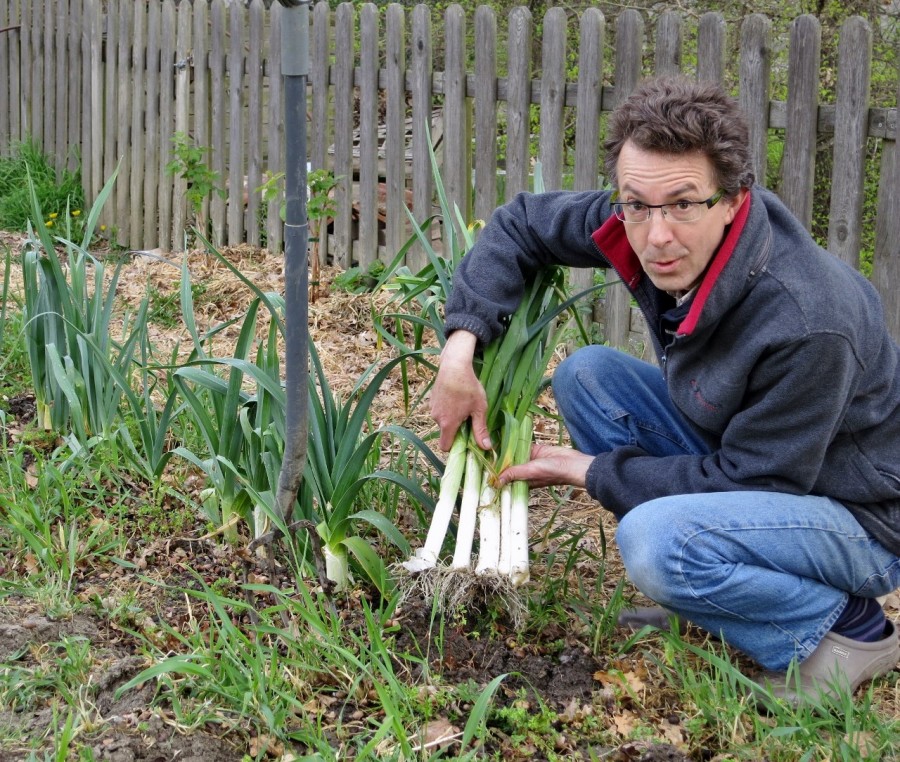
[550,466]
[448,433]
[480,429]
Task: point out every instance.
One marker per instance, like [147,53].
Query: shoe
[837,665]
[637,618]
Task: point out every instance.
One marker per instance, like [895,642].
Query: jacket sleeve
[530,232]
[777,441]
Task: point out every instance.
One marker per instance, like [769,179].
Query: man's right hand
[457,394]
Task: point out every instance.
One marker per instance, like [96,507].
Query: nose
[660,231]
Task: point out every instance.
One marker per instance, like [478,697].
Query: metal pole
[295,72]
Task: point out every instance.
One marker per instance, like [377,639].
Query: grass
[344,678]
[58,195]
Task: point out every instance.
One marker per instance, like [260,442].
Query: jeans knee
[578,372]
[651,547]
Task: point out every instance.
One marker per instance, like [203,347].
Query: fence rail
[108,84]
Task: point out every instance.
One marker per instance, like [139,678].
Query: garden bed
[355,676]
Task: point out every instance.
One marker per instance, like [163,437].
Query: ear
[733,204]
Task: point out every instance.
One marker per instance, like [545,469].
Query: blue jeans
[768,572]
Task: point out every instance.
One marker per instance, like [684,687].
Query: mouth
[664,265]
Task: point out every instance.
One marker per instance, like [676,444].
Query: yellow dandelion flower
[102,228]
[49,223]
[54,215]
[76,213]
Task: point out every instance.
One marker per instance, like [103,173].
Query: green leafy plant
[190,164]
[319,207]
[223,413]
[342,458]
[273,189]
[242,435]
[357,280]
[68,322]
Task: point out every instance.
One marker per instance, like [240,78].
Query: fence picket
[368,135]
[755,82]
[668,43]
[553,94]
[395,136]
[85,103]
[5,96]
[518,101]
[50,115]
[587,124]
[73,87]
[798,164]
[457,159]
[166,122]
[712,37]
[343,134]
[217,55]
[95,31]
[422,68]
[108,66]
[24,66]
[629,46]
[254,121]
[319,79]
[36,66]
[123,121]
[885,260]
[485,113]
[151,139]
[138,106]
[236,177]
[60,84]
[274,225]
[200,55]
[181,73]
[850,125]
[11,64]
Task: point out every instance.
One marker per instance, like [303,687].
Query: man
[755,473]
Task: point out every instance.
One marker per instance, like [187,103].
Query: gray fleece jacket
[783,364]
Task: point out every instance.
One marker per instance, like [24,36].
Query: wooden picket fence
[108,84]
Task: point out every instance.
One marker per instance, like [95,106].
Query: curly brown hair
[675,115]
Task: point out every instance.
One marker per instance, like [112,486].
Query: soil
[555,666]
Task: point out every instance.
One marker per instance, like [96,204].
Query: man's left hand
[550,465]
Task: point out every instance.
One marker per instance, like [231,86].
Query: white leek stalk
[426,557]
[505,565]
[518,520]
[337,566]
[468,512]
[488,530]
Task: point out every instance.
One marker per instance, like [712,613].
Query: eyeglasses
[680,211]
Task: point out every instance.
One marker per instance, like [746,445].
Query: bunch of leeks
[512,372]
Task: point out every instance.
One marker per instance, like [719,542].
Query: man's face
[673,254]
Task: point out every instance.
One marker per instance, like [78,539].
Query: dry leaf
[626,722]
[628,680]
[439,734]
[674,734]
[265,744]
[571,713]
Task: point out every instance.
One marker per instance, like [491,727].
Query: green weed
[58,194]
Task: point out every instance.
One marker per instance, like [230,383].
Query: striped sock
[862,619]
